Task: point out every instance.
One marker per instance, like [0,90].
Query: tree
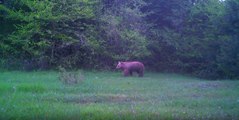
[188,35]
[45,29]
[228,59]
[123,27]
[168,19]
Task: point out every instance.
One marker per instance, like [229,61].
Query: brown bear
[130,67]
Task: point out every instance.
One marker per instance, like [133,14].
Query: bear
[130,67]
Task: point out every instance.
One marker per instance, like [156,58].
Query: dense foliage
[198,37]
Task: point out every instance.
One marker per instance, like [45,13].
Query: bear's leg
[141,73]
[131,73]
[126,73]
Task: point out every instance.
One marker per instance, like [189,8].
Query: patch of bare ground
[208,85]
[106,98]
[202,95]
[212,85]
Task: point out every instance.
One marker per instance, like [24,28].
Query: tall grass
[108,95]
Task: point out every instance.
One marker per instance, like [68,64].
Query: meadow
[107,95]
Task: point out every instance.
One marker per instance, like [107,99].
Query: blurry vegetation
[70,78]
[198,37]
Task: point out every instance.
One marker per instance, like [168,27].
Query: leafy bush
[70,78]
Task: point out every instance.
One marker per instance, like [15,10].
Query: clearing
[108,95]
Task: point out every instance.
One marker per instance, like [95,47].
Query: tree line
[198,37]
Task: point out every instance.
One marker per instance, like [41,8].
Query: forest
[61,59]
[195,37]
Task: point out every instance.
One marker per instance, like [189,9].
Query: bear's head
[120,65]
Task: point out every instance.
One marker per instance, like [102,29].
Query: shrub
[70,78]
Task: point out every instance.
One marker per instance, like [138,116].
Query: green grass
[108,95]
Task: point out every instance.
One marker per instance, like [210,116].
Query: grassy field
[108,95]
